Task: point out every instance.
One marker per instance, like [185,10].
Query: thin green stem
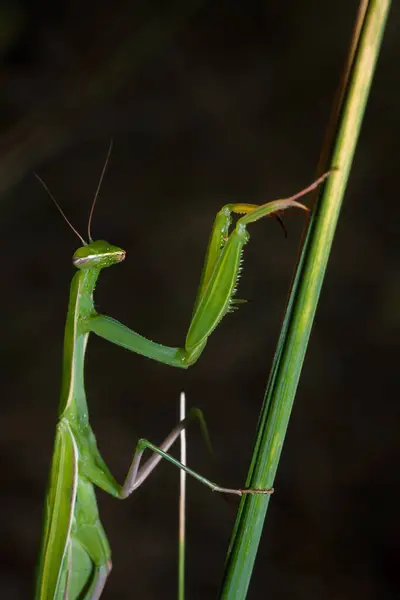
[338,153]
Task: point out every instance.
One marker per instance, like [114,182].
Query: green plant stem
[338,153]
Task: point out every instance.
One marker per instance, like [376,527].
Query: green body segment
[75,551]
[221,287]
[59,511]
[218,237]
[119,334]
[75,558]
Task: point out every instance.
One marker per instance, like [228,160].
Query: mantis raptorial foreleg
[76,557]
[217,287]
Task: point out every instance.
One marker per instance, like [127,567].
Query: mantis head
[97,255]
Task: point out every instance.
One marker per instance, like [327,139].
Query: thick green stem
[338,153]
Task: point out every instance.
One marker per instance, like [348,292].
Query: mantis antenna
[60,209]
[98,190]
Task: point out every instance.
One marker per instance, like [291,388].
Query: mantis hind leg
[89,561]
[84,580]
[138,474]
[97,473]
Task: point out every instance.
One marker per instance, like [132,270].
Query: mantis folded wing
[76,557]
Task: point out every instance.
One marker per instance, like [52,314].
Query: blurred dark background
[207,103]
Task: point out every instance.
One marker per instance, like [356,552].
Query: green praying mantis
[75,557]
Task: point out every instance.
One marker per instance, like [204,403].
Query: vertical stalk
[338,152]
[182,504]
